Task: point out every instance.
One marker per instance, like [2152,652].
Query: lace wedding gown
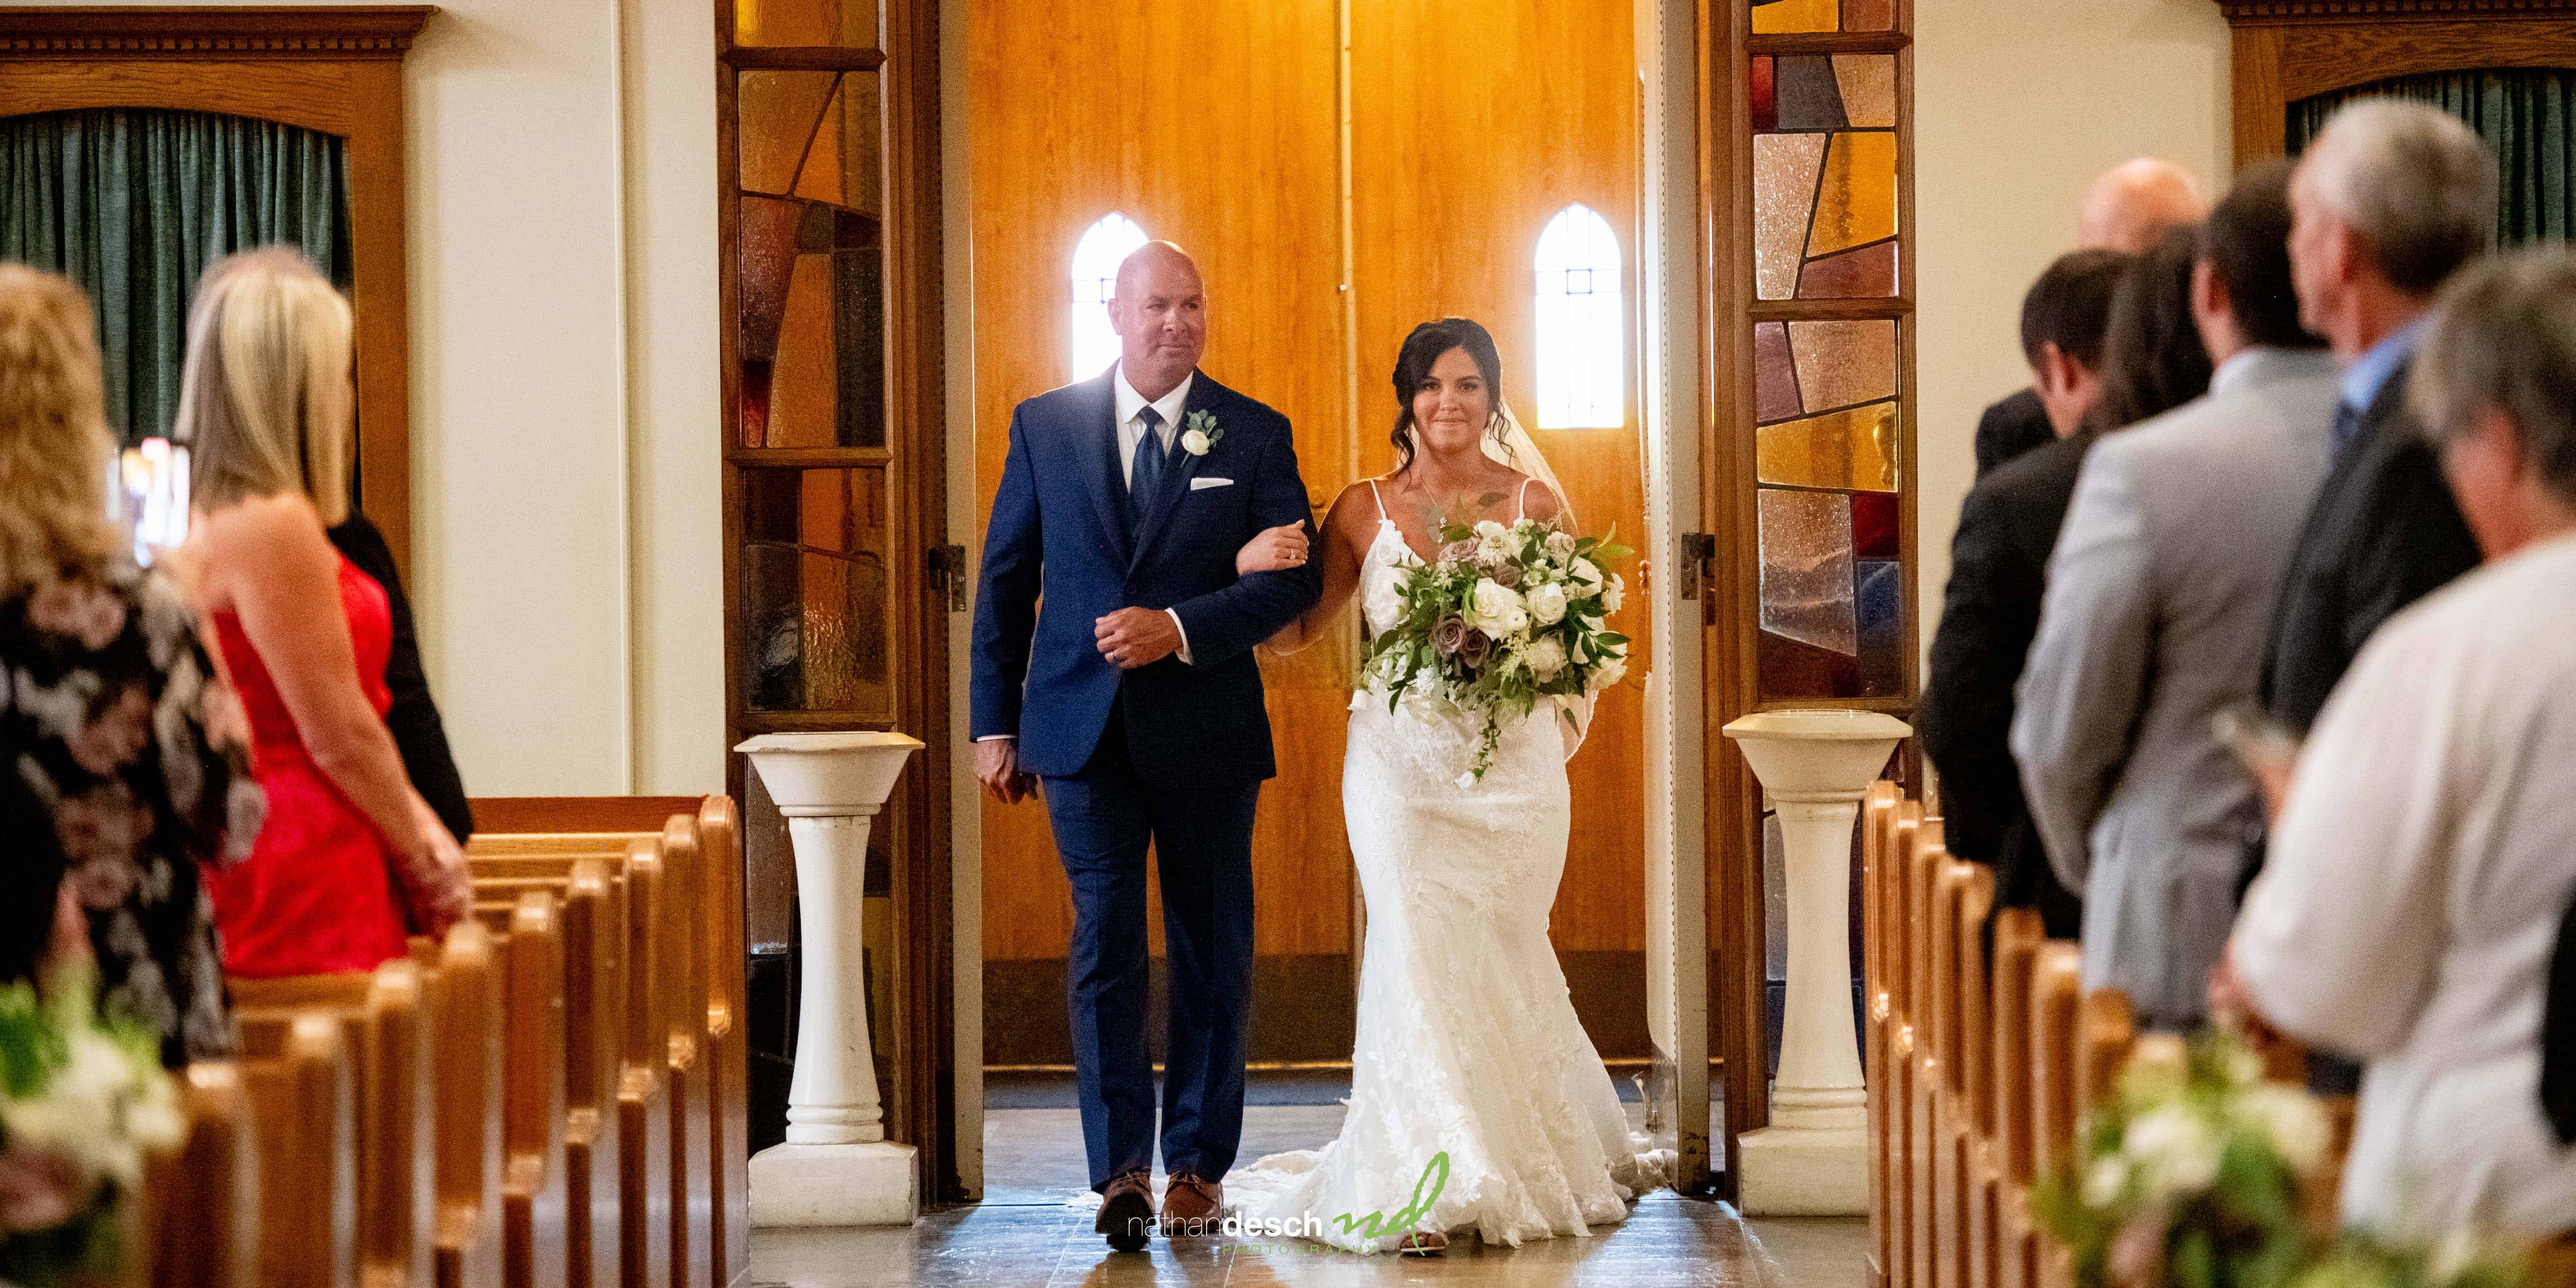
[1467,1039]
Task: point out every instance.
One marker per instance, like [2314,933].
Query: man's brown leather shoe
[1191,1206]
[1127,1212]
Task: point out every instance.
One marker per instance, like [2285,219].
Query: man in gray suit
[2159,596]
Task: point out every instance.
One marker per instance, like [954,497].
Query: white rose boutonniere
[1199,432]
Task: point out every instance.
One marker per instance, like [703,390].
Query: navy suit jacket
[1058,556]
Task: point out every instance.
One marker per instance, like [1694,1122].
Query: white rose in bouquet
[1546,604]
[2289,1119]
[1611,672]
[1586,577]
[1545,658]
[2176,1151]
[1616,591]
[1561,544]
[1496,609]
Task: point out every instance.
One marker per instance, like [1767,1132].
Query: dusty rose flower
[1448,635]
[115,735]
[35,1191]
[1477,647]
[1506,574]
[1462,551]
[80,609]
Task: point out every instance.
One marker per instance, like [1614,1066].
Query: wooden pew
[594,935]
[1973,1059]
[201,1217]
[534,1251]
[729,1041]
[1904,1039]
[2109,1028]
[300,1079]
[1922,862]
[2018,936]
[645,1154]
[466,1122]
[1877,839]
[690,1102]
[1950,1122]
[383,1018]
[2055,1003]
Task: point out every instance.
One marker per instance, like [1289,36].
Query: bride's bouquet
[1505,617]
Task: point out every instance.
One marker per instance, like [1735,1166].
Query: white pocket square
[1196,484]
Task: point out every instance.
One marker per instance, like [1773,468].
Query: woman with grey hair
[2421,860]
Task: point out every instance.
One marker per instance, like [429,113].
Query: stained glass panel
[1867,273]
[1775,376]
[1868,85]
[1855,448]
[1784,199]
[847,24]
[844,166]
[1806,544]
[1842,364]
[814,591]
[1856,202]
[1765,94]
[1809,97]
[1874,519]
[777,114]
[804,385]
[1869,15]
[1878,610]
[1772,16]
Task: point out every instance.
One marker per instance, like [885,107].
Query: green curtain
[2527,115]
[133,205]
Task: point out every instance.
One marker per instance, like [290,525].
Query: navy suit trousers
[1103,816]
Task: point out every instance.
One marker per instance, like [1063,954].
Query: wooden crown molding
[2271,11]
[336,32]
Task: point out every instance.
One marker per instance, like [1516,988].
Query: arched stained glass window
[1095,278]
[1581,382]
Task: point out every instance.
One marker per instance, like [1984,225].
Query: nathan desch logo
[1368,1225]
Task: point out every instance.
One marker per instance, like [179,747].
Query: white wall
[565,418]
[2017,107]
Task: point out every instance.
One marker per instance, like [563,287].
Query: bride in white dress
[1471,1078]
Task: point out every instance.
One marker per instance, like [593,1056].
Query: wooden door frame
[1730,575]
[919,1033]
[336,69]
[2287,50]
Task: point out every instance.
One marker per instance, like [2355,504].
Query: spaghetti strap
[1522,503]
[1381,501]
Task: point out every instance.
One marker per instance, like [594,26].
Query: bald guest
[2126,210]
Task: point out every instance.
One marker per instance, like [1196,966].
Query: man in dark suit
[2125,210]
[1990,611]
[2387,203]
[1133,697]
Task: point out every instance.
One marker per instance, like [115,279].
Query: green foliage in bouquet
[1503,618]
[2192,1175]
[81,1100]
[2462,1261]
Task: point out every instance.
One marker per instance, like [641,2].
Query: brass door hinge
[947,568]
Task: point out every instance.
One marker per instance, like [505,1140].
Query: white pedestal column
[1813,1160]
[837,1167]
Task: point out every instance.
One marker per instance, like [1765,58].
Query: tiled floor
[1023,1236]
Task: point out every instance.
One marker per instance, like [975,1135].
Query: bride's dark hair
[1413,366]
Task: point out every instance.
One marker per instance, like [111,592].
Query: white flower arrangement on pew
[82,1101]
[1506,616]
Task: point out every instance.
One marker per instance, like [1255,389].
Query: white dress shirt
[2408,909]
[1131,430]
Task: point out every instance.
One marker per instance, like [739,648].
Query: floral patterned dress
[116,724]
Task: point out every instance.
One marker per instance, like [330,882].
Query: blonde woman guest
[124,773]
[351,858]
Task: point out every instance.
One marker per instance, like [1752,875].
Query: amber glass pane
[845,166]
[804,384]
[1855,448]
[1856,203]
[1842,364]
[776,114]
[813,326]
[815,591]
[1806,542]
[1771,16]
[1868,83]
[850,24]
[1784,198]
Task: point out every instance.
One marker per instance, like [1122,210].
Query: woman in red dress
[351,858]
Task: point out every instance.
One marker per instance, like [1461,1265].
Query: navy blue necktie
[2347,427]
[1145,477]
